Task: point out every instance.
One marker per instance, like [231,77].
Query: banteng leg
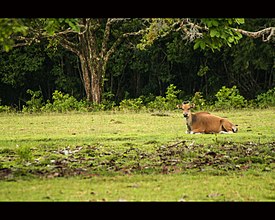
[197,131]
[227,127]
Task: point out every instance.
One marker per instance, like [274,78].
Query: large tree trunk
[97,85]
[91,66]
[86,74]
[92,77]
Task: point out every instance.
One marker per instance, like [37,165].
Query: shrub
[64,103]
[5,108]
[107,101]
[169,102]
[158,104]
[35,103]
[266,99]
[131,104]
[198,100]
[229,98]
[171,97]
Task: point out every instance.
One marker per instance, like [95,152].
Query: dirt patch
[182,156]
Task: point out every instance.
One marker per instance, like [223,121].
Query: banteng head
[186,106]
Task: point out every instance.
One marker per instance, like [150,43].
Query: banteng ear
[192,105]
[178,106]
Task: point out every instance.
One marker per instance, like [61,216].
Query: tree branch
[23,41]
[69,46]
[266,33]
[118,41]
[106,37]
[191,30]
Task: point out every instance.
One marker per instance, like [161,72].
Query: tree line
[116,59]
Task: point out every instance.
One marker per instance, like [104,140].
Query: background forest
[170,66]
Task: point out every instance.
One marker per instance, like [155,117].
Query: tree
[92,40]
[206,33]
[209,34]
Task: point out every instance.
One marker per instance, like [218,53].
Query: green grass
[86,128]
[175,187]
[117,128]
[113,156]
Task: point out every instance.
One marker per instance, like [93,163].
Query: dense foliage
[226,99]
[140,78]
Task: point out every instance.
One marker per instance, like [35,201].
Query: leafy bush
[171,97]
[158,104]
[169,102]
[107,101]
[229,98]
[198,100]
[131,104]
[5,108]
[64,103]
[35,103]
[266,99]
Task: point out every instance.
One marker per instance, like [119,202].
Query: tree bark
[97,85]
[92,74]
[267,33]
[92,68]
[86,77]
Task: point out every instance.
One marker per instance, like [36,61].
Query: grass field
[114,156]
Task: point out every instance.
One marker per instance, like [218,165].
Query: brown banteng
[204,122]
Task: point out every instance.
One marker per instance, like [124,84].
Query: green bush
[169,102]
[171,97]
[5,108]
[199,101]
[64,103]
[131,104]
[228,98]
[35,103]
[266,99]
[107,101]
[158,104]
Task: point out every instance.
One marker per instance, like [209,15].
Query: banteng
[204,122]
